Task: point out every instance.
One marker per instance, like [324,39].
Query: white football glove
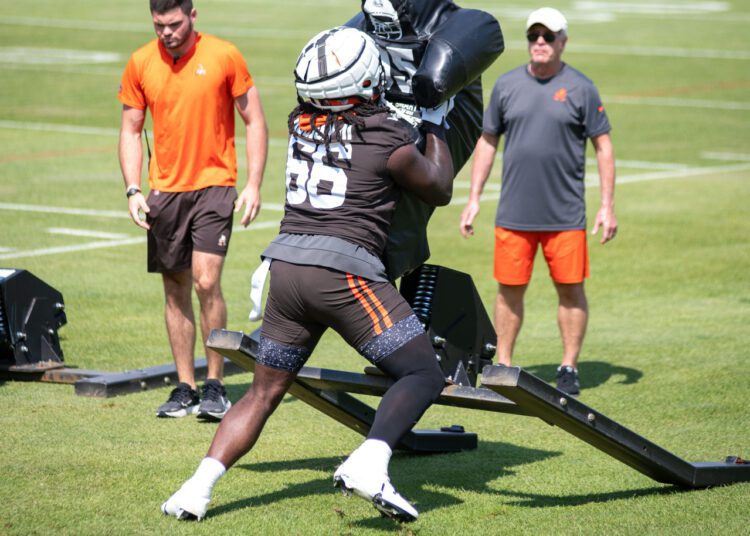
[438,114]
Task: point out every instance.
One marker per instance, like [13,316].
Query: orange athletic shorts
[566,253]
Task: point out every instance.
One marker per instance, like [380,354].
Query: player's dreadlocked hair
[330,131]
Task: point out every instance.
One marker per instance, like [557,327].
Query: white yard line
[726,156]
[77,24]
[677,174]
[491,190]
[67,69]
[487,195]
[641,164]
[116,71]
[488,187]
[72,248]
[654,8]
[275,207]
[85,232]
[59,127]
[643,51]
[591,166]
[678,103]
[65,210]
[57,56]
[584,13]
[6,253]
[98,131]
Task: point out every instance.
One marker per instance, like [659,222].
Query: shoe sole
[392,511]
[182,515]
[339,484]
[385,508]
[214,416]
[182,412]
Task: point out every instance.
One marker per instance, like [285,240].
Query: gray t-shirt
[546,124]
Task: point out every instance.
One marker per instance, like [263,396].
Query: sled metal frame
[329,391]
[97,383]
[601,432]
[504,390]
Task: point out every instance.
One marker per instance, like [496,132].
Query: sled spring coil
[423,297]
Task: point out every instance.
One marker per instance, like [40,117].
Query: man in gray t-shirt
[546,110]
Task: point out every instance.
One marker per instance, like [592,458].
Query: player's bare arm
[429,176]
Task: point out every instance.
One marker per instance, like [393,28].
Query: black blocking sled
[448,305]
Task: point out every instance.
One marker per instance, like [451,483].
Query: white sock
[373,453]
[208,473]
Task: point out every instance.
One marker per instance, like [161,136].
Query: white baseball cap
[548,17]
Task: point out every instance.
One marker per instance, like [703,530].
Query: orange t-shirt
[192,106]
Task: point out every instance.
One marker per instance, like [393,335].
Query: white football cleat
[376,489]
[187,503]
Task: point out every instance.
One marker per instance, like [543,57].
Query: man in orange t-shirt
[191,83]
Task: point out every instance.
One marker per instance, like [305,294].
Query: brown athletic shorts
[182,222]
[305,300]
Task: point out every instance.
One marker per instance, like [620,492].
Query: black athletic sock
[419,382]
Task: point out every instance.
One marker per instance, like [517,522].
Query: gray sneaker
[567,380]
[183,401]
[214,402]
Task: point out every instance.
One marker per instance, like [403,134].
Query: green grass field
[666,352]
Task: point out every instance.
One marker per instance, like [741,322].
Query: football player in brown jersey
[348,160]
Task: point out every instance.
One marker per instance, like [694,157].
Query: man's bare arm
[131,159]
[256,148]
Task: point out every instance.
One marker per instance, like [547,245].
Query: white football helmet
[339,68]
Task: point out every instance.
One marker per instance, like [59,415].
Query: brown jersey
[343,189]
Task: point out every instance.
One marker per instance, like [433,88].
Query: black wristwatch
[132,190]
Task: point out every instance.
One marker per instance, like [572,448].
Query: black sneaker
[214,402]
[183,400]
[567,380]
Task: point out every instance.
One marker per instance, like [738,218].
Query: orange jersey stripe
[377,302]
[365,304]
